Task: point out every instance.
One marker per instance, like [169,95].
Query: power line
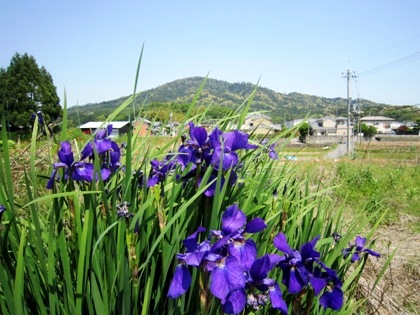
[393,64]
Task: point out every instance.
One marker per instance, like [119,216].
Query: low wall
[330,140]
[396,137]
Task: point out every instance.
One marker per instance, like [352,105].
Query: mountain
[223,95]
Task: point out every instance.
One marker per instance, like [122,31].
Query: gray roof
[376,118]
[256,116]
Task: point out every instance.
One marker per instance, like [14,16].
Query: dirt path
[338,152]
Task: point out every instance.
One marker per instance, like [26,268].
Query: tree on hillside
[25,89]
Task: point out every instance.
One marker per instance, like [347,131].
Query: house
[118,127]
[325,126]
[259,124]
[142,126]
[384,125]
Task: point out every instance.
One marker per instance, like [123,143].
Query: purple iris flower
[65,155]
[234,226]
[296,265]
[199,144]
[2,209]
[327,282]
[305,267]
[226,276]
[160,170]
[114,156]
[225,151]
[358,248]
[102,143]
[258,279]
[80,170]
[193,257]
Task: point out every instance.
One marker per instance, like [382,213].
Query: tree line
[25,89]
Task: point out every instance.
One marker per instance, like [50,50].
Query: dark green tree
[25,89]
[305,129]
[368,131]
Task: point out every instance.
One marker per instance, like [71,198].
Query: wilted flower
[358,248]
[271,151]
[122,210]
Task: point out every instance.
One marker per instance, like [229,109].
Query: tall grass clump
[209,222]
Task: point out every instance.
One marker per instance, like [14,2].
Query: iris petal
[233,219]
[235,302]
[226,278]
[277,299]
[245,252]
[256,225]
[280,242]
[180,283]
[332,299]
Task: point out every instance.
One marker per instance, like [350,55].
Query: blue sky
[91,48]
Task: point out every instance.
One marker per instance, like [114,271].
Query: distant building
[118,127]
[325,126]
[142,127]
[259,124]
[384,125]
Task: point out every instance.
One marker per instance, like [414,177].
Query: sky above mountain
[91,48]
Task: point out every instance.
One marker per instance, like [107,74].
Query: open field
[382,176]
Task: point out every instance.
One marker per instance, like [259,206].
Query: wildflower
[81,170]
[258,279]
[159,170]
[199,144]
[332,296]
[304,268]
[101,141]
[2,209]
[228,261]
[193,257]
[234,226]
[225,152]
[358,248]
[122,210]
[295,264]
[271,151]
[65,155]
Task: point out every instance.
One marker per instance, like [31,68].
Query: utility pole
[348,75]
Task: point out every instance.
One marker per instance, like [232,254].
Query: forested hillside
[222,97]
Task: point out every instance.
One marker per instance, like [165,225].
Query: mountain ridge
[219,93]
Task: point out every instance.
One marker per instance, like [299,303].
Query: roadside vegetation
[209,222]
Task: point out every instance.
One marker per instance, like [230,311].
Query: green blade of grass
[19,285]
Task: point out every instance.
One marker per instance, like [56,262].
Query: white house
[118,127]
[383,124]
[326,126]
